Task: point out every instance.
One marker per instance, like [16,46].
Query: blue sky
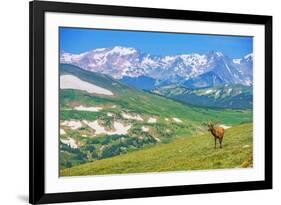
[78,40]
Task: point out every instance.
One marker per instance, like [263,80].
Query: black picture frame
[37,10]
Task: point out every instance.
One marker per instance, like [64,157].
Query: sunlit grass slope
[186,153]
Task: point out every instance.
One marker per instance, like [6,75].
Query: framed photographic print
[140,102]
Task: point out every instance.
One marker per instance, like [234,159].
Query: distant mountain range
[190,70]
[210,79]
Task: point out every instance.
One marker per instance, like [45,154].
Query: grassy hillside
[83,145]
[143,103]
[193,153]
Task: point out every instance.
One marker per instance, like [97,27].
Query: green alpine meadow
[129,131]
[182,154]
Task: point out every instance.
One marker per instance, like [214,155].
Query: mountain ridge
[225,96]
[188,69]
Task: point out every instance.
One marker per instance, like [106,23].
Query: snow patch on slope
[73,124]
[119,128]
[132,117]
[90,109]
[70,142]
[72,82]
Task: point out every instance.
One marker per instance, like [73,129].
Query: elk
[217,132]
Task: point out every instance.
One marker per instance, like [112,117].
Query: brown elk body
[217,132]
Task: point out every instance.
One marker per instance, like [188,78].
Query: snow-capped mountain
[223,70]
[192,70]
